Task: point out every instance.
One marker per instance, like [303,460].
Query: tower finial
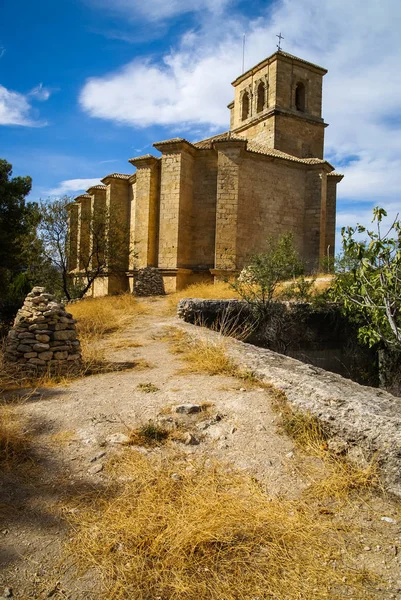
[280,37]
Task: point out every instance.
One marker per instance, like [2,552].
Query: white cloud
[357,41]
[40,92]
[72,187]
[159,10]
[16,108]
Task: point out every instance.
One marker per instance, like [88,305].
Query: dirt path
[74,432]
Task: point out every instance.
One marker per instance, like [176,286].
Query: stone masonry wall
[203,223]
[43,336]
[271,203]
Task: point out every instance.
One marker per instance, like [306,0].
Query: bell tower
[278,104]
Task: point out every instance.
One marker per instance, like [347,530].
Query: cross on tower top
[280,37]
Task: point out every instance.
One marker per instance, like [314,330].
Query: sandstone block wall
[201,210]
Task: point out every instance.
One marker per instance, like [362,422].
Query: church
[199,210]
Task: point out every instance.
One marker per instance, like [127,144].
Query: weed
[150,434]
[147,388]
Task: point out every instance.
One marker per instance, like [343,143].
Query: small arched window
[300,97]
[245,106]
[260,97]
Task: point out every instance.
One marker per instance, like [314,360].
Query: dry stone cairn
[43,337]
[148,282]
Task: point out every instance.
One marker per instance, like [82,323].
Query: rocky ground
[78,427]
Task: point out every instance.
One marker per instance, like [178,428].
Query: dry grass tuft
[204,356]
[147,388]
[148,435]
[341,477]
[207,532]
[15,442]
[98,317]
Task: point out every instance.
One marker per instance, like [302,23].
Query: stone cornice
[147,160]
[122,177]
[81,197]
[276,110]
[96,188]
[280,55]
[175,145]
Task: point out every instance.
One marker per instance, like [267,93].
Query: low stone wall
[321,336]
[43,336]
[364,422]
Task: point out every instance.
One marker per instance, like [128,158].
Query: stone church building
[200,210]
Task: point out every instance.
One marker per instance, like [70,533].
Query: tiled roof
[261,149]
[335,174]
[256,148]
[226,136]
[117,176]
[172,141]
[143,157]
[87,196]
[301,60]
[98,187]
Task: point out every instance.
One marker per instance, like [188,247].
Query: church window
[245,106]
[260,97]
[300,97]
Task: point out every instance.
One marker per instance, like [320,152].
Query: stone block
[43,338]
[45,356]
[65,335]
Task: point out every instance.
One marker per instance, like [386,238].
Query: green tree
[370,286]
[258,282]
[21,256]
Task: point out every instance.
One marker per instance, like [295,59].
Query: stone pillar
[97,240]
[84,228]
[228,188]
[323,218]
[313,193]
[72,245]
[146,210]
[332,180]
[118,220]
[176,191]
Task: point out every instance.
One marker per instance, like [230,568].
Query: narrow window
[245,106]
[261,98]
[300,97]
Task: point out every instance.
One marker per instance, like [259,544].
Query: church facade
[198,211]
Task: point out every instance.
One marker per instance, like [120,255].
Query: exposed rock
[190,440]
[366,419]
[148,282]
[188,409]
[96,469]
[118,438]
[31,341]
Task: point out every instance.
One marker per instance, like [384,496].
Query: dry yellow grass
[219,290]
[14,438]
[202,356]
[98,317]
[207,532]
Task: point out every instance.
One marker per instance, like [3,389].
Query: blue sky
[84,87]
